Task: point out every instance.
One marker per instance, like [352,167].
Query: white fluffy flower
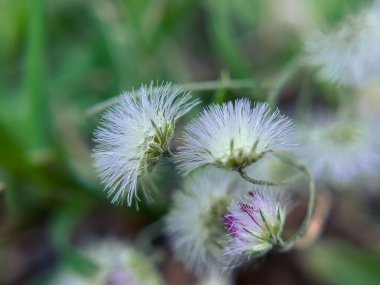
[340,151]
[134,135]
[254,225]
[234,135]
[116,264]
[195,222]
[350,54]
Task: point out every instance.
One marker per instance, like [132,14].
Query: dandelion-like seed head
[195,223]
[340,152]
[234,135]
[350,54]
[254,225]
[134,134]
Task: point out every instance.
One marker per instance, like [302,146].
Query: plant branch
[287,245]
[246,177]
[194,86]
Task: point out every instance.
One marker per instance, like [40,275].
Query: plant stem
[148,234]
[283,78]
[287,245]
[36,99]
[246,177]
[194,86]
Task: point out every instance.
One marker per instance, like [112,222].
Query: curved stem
[287,245]
[284,77]
[246,177]
[146,235]
[193,86]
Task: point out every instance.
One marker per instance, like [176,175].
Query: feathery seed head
[350,54]
[134,134]
[233,135]
[195,223]
[340,152]
[254,225]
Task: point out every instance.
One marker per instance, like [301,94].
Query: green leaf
[342,264]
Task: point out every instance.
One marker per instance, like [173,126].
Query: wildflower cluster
[222,215]
[217,217]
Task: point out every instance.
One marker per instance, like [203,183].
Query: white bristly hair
[234,135]
[340,151]
[134,134]
[350,54]
[194,224]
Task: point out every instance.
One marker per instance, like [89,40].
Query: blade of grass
[36,97]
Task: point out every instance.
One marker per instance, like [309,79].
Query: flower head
[234,135]
[350,54]
[134,134]
[254,225]
[195,222]
[115,264]
[339,151]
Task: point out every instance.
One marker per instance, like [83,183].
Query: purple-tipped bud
[254,224]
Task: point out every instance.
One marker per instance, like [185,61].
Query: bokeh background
[60,58]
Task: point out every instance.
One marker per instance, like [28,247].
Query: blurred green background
[59,58]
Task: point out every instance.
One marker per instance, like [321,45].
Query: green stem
[194,86]
[283,78]
[246,177]
[34,76]
[287,245]
[148,234]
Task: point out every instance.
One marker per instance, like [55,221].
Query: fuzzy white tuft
[195,223]
[350,54]
[233,135]
[339,151]
[134,134]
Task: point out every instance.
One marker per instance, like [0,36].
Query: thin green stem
[148,234]
[283,78]
[249,179]
[36,98]
[194,86]
[246,177]
[287,245]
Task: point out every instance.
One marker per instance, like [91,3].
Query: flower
[134,134]
[339,151]
[350,54]
[233,136]
[254,225]
[115,264]
[194,224]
